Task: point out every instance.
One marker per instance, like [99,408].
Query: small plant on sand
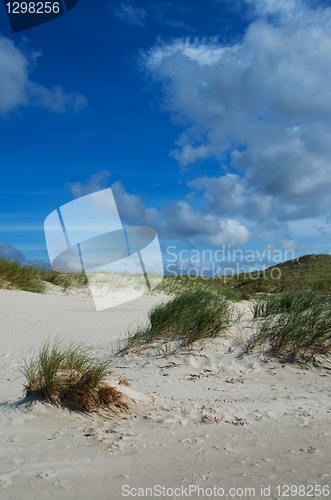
[296,324]
[67,375]
[184,319]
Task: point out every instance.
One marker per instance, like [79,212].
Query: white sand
[205,418]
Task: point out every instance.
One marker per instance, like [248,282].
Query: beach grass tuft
[288,301]
[176,285]
[14,275]
[185,319]
[67,375]
[296,324]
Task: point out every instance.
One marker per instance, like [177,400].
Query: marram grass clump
[67,375]
[16,276]
[296,324]
[292,301]
[185,319]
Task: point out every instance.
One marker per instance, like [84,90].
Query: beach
[209,422]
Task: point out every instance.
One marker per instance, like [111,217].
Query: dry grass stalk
[124,381]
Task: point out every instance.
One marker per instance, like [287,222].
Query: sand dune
[204,423]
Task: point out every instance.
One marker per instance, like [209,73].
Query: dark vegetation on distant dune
[32,279]
[307,272]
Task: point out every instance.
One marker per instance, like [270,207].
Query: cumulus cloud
[181,221]
[231,232]
[265,102]
[130,207]
[13,76]
[231,195]
[95,182]
[17,88]
[129,13]
[9,252]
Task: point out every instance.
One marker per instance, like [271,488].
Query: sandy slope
[211,418]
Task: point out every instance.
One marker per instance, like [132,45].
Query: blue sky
[210,120]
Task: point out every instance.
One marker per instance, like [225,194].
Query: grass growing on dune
[175,285]
[189,317]
[296,324]
[67,375]
[32,279]
[289,301]
[13,275]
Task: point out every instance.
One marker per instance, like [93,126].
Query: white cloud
[190,153]
[130,207]
[56,99]
[204,53]
[281,8]
[265,101]
[95,182]
[230,213]
[231,233]
[231,195]
[13,76]
[17,89]
[9,252]
[181,221]
[172,23]
[129,13]
[292,245]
